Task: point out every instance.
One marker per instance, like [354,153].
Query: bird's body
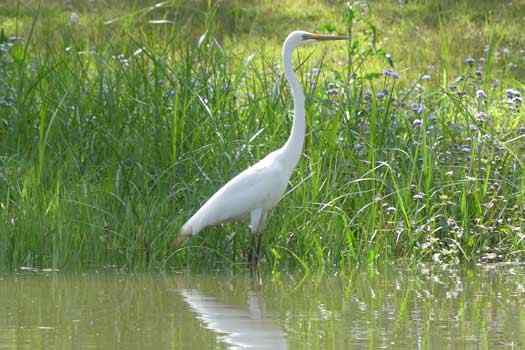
[258,189]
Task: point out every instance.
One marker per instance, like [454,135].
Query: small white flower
[391,210]
[419,195]
[470,61]
[74,18]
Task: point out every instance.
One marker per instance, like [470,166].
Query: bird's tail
[184,234]
[186,229]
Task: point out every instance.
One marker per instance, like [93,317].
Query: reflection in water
[242,328]
[428,307]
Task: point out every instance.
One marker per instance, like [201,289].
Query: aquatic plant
[114,128]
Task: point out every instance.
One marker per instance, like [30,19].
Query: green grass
[114,130]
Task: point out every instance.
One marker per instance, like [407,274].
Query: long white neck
[293,148]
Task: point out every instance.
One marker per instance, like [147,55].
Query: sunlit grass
[114,129]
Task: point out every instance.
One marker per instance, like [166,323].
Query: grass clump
[115,128]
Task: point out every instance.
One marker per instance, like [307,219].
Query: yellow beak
[323,37]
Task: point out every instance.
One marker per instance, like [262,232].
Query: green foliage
[114,129]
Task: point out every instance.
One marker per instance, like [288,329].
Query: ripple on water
[425,307]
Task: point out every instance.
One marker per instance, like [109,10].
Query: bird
[254,192]
[238,327]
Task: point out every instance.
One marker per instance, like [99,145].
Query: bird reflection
[238,327]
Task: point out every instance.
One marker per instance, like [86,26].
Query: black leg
[252,253]
[258,248]
[255,251]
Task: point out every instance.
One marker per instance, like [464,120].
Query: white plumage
[256,190]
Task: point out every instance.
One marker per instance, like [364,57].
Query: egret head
[299,38]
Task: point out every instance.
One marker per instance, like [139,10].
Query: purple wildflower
[511,93]
[391,74]
[514,98]
[382,94]
[479,72]
[481,95]
[418,108]
[417,123]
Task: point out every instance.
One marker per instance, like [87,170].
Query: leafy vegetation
[117,122]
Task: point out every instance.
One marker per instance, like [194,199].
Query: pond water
[391,308]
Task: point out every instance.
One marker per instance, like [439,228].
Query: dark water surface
[423,308]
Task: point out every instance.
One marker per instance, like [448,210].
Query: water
[424,308]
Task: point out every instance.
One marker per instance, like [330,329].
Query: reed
[116,123]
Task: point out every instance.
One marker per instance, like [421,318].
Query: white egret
[258,189]
[242,328]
